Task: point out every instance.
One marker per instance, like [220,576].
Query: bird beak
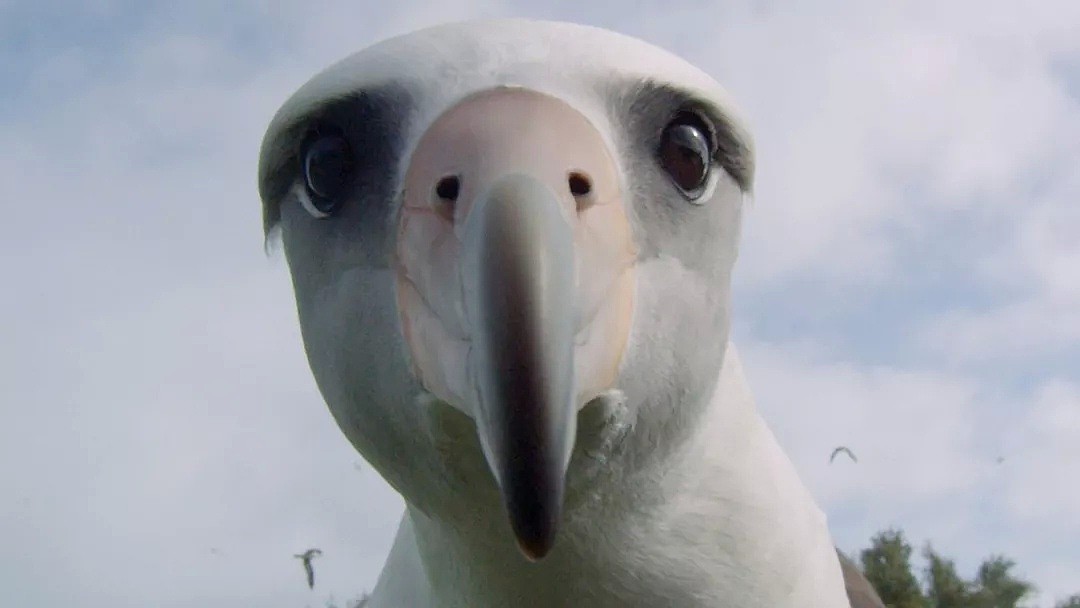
[515,285]
[518,270]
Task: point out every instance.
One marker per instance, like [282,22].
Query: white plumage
[437,190]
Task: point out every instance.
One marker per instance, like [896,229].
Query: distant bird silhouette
[842,449]
[307,556]
[1000,459]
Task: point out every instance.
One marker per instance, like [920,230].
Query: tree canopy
[887,564]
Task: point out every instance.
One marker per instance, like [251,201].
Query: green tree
[887,565]
[1073,601]
[944,587]
[997,586]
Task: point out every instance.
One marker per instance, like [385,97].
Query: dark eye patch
[373,123]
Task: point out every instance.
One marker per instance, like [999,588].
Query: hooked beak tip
[534,552]
[534,518]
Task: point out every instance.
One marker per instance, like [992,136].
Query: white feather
[721,520]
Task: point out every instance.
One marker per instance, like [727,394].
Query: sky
[908,285]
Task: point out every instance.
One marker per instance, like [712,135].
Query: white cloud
[1047,447]
[890,123]
[1037,266]
[815,404]
[163,459]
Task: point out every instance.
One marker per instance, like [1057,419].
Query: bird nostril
[448,188]
[580,187]
[446,193]
[579,184]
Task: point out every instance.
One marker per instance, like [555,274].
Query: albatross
[511,245]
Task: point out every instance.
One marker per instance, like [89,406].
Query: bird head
[511,245]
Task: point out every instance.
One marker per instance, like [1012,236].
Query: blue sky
[909,285]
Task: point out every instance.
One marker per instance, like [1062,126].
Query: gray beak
[519,277]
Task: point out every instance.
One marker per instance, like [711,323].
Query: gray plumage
[860,592]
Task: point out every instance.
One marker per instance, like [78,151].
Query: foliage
[998,587]
[887,565]
[944,587]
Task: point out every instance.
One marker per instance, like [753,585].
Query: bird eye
[328,165]
[686,153]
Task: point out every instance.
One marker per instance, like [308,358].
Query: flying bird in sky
[846,451]
[307,556]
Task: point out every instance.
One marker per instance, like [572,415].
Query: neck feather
[725,521]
